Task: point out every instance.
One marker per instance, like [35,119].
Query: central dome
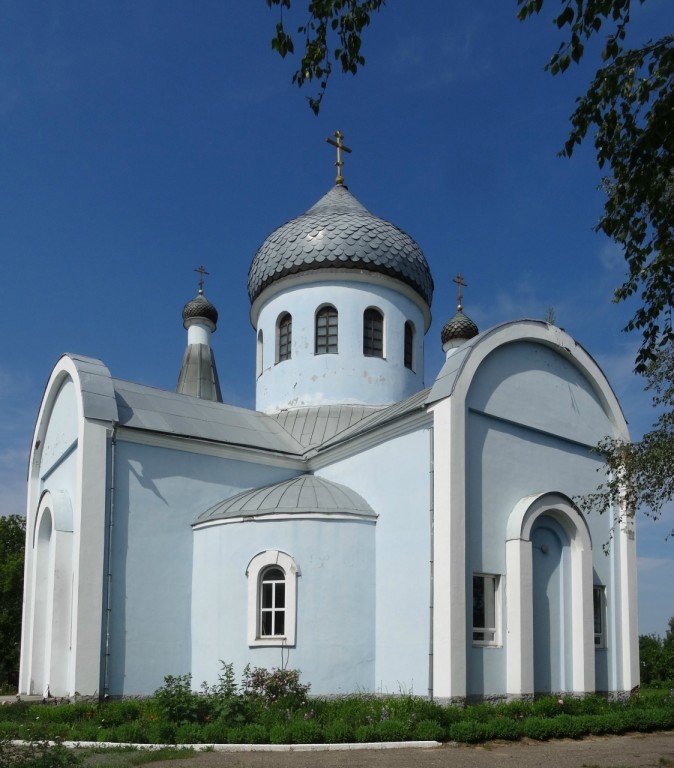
[340,233]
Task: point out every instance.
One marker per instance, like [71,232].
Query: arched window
[272,599]
[272,602]
[373,333]
[408,353]
[259,360]
[284,337]
[326,331]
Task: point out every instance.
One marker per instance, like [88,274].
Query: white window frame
[254,572]
[491,635]
[599,603]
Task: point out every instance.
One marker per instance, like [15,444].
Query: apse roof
[306,494]
[340,233]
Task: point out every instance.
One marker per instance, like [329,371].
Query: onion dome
[200,307]
[460,327]
[340,233]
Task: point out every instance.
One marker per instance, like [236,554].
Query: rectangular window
[599,605]
[485,609]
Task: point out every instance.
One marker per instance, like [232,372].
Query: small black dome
[459,327]
[200,306]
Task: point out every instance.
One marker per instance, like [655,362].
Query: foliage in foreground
[639,475]
[657,657]
[12,544]
[273,706]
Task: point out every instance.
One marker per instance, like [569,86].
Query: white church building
[378,535]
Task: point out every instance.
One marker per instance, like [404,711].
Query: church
[375,533]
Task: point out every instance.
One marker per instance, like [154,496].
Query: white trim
[255,567]
[285,516]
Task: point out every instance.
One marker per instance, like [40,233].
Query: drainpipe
[108,578]
[431,563]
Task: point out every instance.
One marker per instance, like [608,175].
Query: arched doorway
[52,585]
[549,616]
[42,611]
[551,583]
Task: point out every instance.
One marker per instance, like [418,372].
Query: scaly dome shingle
[339,233]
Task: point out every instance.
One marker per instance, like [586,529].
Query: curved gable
[535,374]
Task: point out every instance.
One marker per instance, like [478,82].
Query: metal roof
[157,410]
[312,426]
[340,233]
[305,494]
[199,374]
[416,402]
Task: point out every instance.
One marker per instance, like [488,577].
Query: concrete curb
[247,747]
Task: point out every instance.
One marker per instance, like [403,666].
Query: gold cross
[459,281]
[202,271]
[338,135]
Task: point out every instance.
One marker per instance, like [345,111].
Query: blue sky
[142,138]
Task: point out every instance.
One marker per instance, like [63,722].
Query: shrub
[338,732]
[132,733]
[251,733]
[469,731]
[390,730]
[177,702]
[537,728]
[503,728]
[277,685]
[428,730]
[365,734]
[189,733]
[547,706]
[36,755]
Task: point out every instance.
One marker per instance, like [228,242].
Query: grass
[274,707]
[125,757]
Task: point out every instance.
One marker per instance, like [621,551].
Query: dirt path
[631,751]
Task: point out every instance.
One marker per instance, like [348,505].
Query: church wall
[159,492]
[526,406]
[349,376]
[335,635]
[394,478]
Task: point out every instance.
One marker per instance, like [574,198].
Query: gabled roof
[306,494]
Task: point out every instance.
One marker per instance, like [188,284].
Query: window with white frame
[272,599]
[485,609]
[272,602]
[599,606]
